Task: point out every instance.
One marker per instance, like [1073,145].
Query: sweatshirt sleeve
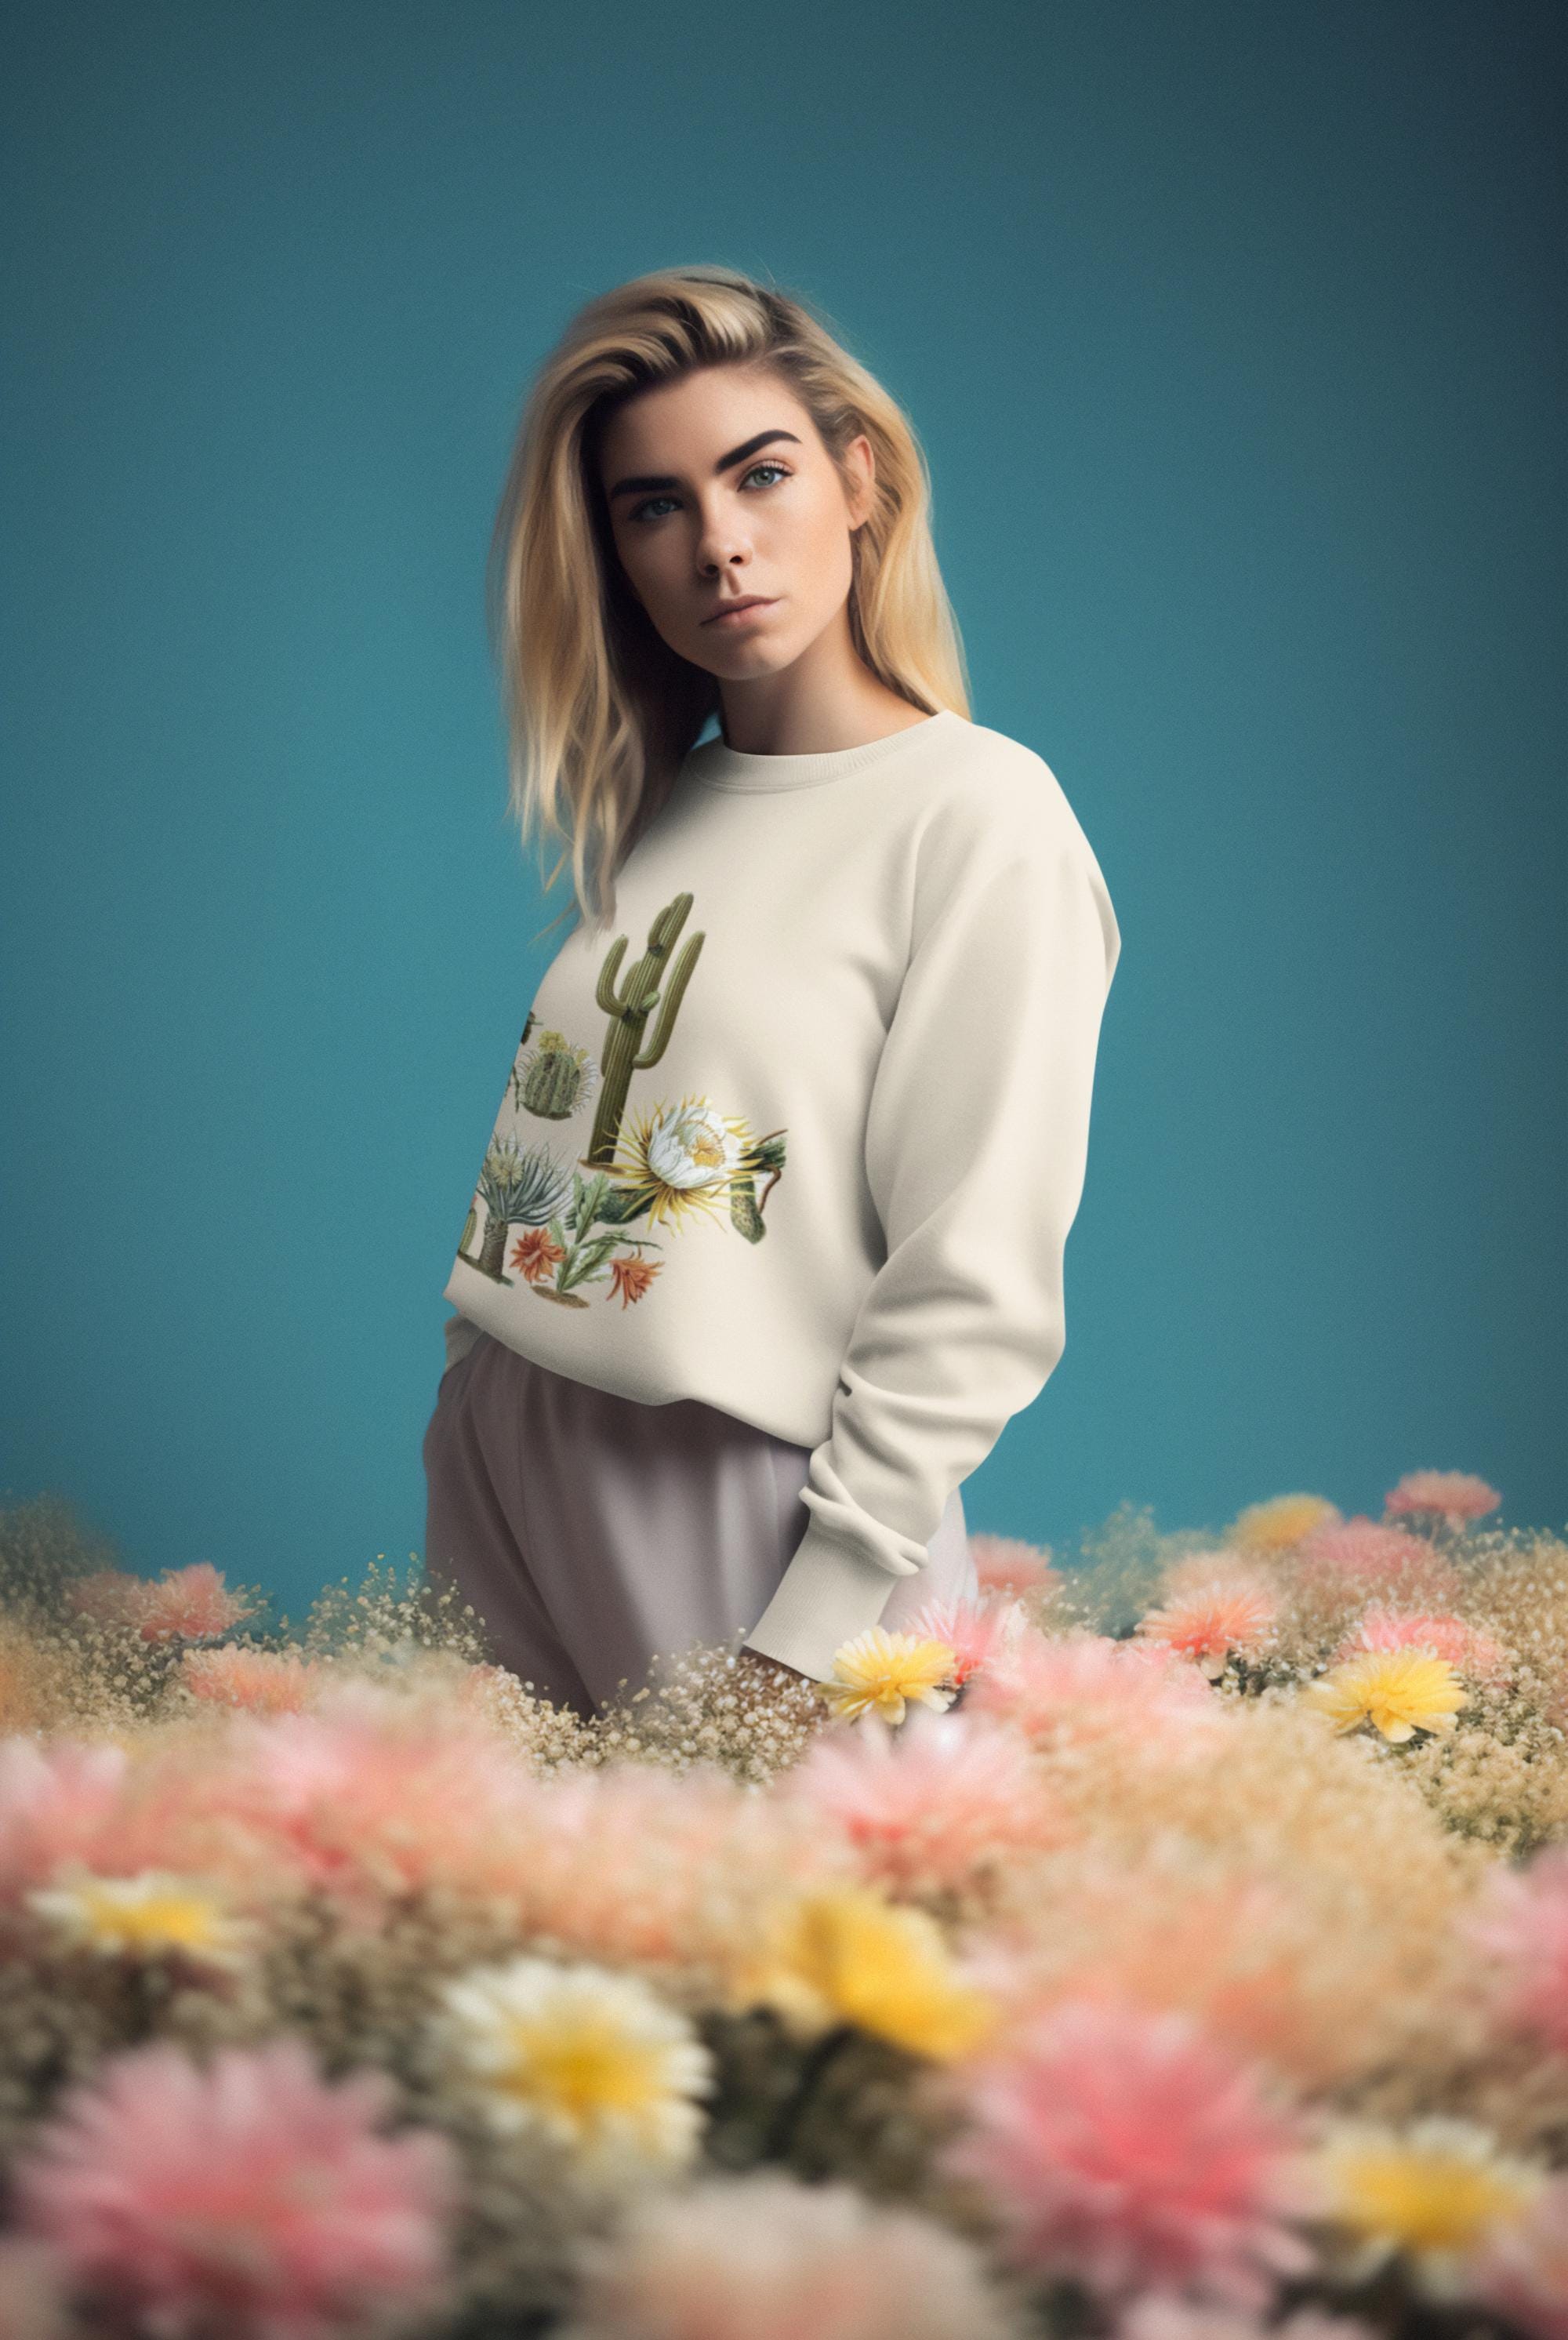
[977,1141]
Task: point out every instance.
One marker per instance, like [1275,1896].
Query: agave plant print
[602,1219]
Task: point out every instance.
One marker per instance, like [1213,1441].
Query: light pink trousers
[594,1536]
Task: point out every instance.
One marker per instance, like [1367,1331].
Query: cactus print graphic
[650,1173]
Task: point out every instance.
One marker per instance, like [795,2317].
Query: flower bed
[1174,1945]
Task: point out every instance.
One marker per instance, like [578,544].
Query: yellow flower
[592,2057]
[1402,1691]
[1268,1528]
[1435,2190]
[844,1954]
[879,1671]
[151,1913]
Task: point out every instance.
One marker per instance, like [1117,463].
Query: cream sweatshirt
[803,1132]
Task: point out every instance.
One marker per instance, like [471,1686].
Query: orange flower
[535,1255]
[631,1276]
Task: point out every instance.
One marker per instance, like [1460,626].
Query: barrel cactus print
[602,1222]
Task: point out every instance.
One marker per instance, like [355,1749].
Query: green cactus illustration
[529,1187]
[746,1203]
[628,1011]
[554,1081]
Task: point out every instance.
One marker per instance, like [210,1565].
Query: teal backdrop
[1235,338]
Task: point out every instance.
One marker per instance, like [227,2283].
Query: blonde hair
[600,710]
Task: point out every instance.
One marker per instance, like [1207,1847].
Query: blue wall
[1231,335]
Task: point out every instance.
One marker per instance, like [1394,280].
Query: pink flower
[264,1682]
[1076,1688]
[1455,1496]
[1522,2271]
[250,2196]
[57,1804]
[973,1631]
[191,1604]
[1357,1557]
[1520,1920]
[1131,2150]
[1008,1564]
[366,1794]
[764,2256]
[932,1803]
[1206,1621]
[1465,1647]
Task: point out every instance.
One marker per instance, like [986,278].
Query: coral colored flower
[1357,1557]
[250,2197]
[1074,1688]
[264,1682]
[1398,1691]
[930,1804]
[630,1278]
[1132,2151]
[1465,1647]
[1454,1496]
[1435,2190]
[974,1631]
[1266,1529]
[1522,2270]
[1008,1564]
[593,2059]
[1519,1921]
[1207,1623]
[765,2256]
[879,1671]
[844,1955]
[151,1914]
[191,1604]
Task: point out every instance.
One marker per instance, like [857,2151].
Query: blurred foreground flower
[250,2198]
[846,1955]
[764,2257]
[149,1914]
[1398,1691]
[880,1672]
[1436,2191]
[593,2059]
[1132,2150]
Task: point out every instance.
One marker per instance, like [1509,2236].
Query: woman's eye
[645,511]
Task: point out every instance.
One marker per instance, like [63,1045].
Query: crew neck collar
[716,765]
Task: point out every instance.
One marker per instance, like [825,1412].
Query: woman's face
[720,489]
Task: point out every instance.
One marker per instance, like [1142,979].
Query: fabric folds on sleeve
[976,1148]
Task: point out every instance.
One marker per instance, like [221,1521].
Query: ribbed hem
[715,765]
[826,1596]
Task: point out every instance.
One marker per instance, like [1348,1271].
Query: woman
[767,1242]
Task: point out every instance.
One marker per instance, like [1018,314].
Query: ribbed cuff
[826,1596]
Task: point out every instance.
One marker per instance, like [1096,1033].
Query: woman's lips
[737,616]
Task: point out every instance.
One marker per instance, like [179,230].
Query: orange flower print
[631,1277]
[536,1256]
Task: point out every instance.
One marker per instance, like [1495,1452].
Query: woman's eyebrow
[649,482]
